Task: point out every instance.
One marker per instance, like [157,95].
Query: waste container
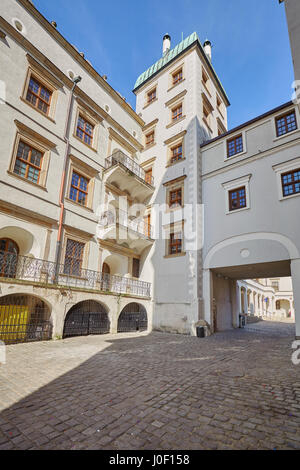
[200,331]
[242,321]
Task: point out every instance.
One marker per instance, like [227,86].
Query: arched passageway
[24,318]
[9,251]
[133,318]
[86,318]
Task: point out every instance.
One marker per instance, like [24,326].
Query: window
[28,162]
[151,96]
[148,176]
[135,267]
[291,182]
[147,225]
[237,198]
[38,95]
[205,80]
[41,88]
[30,156]
[175,244]
[286,123]
[177,77]
[234,146]
[176,153]
[84,130]
[175,198]
[73,257]
[79,189]
[219,105]
[150,138]
[177,113]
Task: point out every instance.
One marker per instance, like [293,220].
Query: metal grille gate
[86,318]
[24,318]
[133,318]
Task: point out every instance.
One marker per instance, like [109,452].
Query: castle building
[113,220]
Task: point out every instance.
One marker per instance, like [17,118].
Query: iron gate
[133,318]
[24,318]
[86,318]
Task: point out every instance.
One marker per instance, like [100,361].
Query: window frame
[284,116]
[292,183]
[45,78]
[234,185]
[80,238]
[171,230]
[234,139]
[173,72]
[88,117]
[151,92]
[230,202]
[39,143]
[86,171]
[284,168]
[174,108]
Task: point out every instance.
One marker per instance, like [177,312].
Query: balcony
[118,226]
[127,175]
[23,268]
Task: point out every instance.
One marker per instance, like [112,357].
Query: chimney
[207,48]
[166,43]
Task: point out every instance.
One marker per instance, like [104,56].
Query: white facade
[176,278]
[126,246]
[42,218]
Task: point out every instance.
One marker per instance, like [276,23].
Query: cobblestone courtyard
[234,390]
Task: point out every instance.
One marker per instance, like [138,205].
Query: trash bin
[242,321]
[200,331]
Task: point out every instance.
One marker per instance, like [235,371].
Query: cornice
[76,55]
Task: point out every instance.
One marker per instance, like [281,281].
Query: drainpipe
[63,179]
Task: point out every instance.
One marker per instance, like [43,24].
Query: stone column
[246,300]
[295,270]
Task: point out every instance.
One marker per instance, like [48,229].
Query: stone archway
[88,317]
[133,317]
[24,318]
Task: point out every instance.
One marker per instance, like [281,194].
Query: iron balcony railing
[137,225]
[119,157]
[68,275]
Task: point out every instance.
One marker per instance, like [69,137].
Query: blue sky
[122,38]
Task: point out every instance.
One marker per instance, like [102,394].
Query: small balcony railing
[120,158]
[137,225]
[25,268]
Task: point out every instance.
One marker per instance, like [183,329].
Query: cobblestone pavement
[234,390]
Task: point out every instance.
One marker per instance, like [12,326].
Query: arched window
[9,251]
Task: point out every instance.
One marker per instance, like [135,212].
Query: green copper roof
[171,55]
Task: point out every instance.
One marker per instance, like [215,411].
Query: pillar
[295,271]
[246,300]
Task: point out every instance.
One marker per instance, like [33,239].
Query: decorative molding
[73,52]
[175,180]
[34,135]
[148,162]
[122,250]
[27,215]
[84,166]
[68,82]
[45,73]
[175,137]
[175,98]
[114,135]
[150,124]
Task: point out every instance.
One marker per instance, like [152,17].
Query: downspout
[63,180]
